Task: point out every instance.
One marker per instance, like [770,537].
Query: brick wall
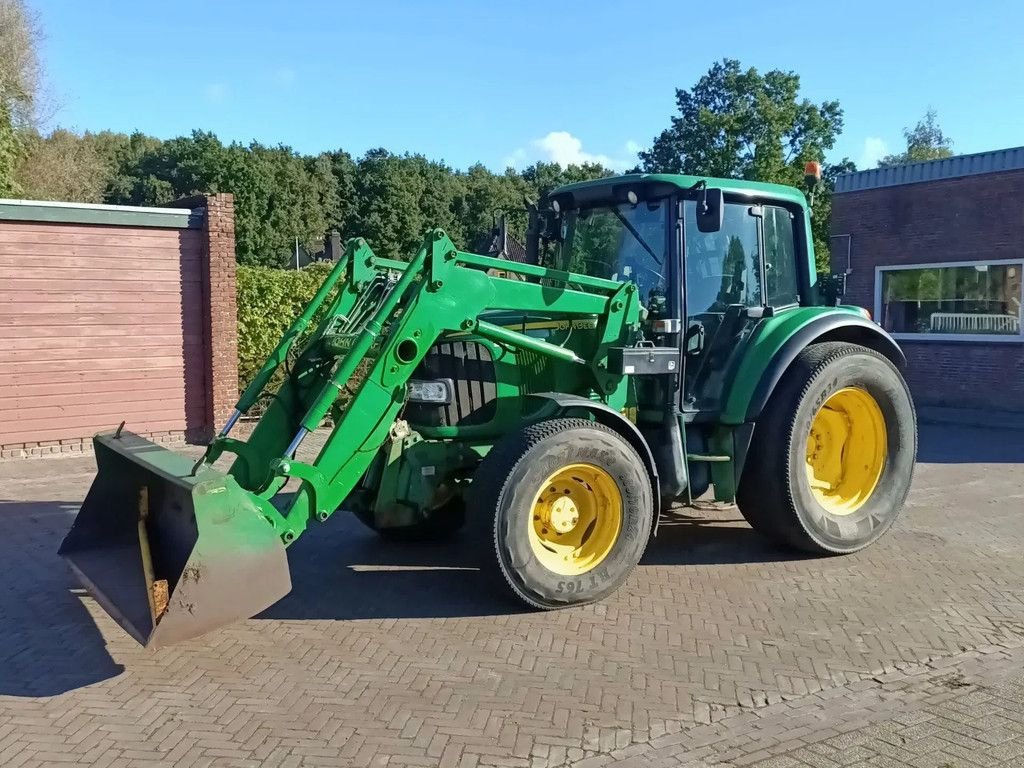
[221,315]
[973,217]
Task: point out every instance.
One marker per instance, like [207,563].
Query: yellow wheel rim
[577,516]
[846,450]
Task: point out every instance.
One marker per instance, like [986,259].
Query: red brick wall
[221,315]
[973,217]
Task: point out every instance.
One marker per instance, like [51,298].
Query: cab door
[724,276]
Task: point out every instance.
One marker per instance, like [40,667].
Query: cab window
[621,242]
[780,257]
[723,267]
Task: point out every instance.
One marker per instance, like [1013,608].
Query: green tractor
[665,341]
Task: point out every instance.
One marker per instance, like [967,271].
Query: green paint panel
[769,337]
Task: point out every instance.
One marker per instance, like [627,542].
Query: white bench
[965,322]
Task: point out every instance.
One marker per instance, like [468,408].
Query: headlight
[434,391]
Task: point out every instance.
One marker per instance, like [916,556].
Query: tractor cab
[709,262]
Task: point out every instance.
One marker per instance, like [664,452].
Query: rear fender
[785,336]
[612,419]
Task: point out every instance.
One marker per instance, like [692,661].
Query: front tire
[569,507]
[832,456]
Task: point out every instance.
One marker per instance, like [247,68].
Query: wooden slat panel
[29,262]
[46,345]
[114,295]
[119,363]
[116,238]
[167,352]
[24,395]
[28,307]
[56,430]
[96,323]
[94,418]
[87,274]
[22,407]
[72,317]
[144,377]
[44,331]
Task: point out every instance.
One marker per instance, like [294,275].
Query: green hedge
[268,301]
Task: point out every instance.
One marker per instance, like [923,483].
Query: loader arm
[372,335]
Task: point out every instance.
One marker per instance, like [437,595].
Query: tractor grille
[470,367]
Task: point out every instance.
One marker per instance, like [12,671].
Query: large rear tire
[569,507]
[832,456]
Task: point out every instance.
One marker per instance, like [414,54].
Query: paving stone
[718,647]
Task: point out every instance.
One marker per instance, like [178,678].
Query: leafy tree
[543,177]
[10,151]
[62,166]
[343,168]
[387,204]
[737,123]
[925,141]
[400,197]
[123,154]
[19,86]
[20,72]
[279,194]
[483,195]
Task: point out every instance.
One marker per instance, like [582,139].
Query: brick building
[936,251]
[111,313]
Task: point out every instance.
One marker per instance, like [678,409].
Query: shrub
[268,301]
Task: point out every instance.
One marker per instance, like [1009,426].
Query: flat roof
[994,161]
[98,213]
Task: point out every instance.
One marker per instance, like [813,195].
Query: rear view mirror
[710,210]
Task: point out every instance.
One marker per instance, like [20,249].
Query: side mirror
[832,287]
[693,342]
[710,210]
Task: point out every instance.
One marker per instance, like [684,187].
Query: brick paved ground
[720,650]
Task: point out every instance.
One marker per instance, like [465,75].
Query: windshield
[623,242]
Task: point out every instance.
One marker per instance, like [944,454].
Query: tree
[10,152]
[20,73]
[62,166]
[737,123]
[19,86]
[280,196]
[741,124]
[925,141]
[400,197]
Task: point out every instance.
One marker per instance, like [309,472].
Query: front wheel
[568,505]
[832,456]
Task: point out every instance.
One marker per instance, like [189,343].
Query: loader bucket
[170,555]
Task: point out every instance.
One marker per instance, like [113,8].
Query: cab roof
[665,182]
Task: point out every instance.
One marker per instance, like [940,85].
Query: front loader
[666,341]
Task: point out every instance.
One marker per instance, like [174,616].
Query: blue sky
[501,82]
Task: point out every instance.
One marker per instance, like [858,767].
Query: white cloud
[874,150]
[565,149]
[215,93]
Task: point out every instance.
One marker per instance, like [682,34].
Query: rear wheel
[832,456]
[568,506]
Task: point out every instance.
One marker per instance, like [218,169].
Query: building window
[966,300]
